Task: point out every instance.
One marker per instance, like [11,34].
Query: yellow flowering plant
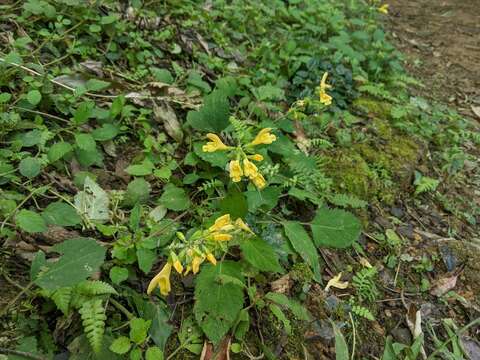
[187,253]
[243,156]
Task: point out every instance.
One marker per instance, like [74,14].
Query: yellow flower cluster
[324,97]
[383,9]
[200,247]
[242,166]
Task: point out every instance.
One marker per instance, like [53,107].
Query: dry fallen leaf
[444,285]
[281,285]
[336,283]
[365,262]
[476,110]
[166,115]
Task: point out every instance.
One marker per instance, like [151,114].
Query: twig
[354,336]
[24,354]
[15,299]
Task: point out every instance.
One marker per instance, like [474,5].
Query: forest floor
[432,239]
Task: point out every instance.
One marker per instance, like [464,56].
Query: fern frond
[364,283]
[61,297]
[240,127]
[93,319]
[426,184]
[95,287]
[344,200]
[378,91]
[363,312]
[320,143]
[210,185]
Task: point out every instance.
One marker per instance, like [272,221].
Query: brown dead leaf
[281,285]
[444,285]
[166,115]
[221,353]
[476,110]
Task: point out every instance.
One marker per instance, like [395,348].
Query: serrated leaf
[30,167]
[118,274]
[154,353]
[105,132]
[85,142]
[58,151]
[81,258]
[214,114]
[335,228]
[92,202]
[96,85]
[217,158]
[34,97]
[260,254]
[120,345]
[303,245]
[139,329]
[138,191]
[146,258]
[217,305]
[30,221]
[174,198]
[144,168]
[61,214]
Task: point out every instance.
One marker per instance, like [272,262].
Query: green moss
[378,168]
[378,108]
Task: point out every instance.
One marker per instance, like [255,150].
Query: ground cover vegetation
[200,178]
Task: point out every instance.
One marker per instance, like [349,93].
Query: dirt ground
[441,38]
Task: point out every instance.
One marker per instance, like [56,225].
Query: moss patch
[380,167]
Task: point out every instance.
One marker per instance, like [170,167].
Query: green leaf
[85,142]
[275,309]
[217,305]
[295,307]
[30,221]
[145,168]
[61,214]
[146,258]
[61,298]
[160,329]
[34,97]
[234,204]
[121,345]
[93,317]
[162,75]
[137,191]
[217,158]
[96,85]
[214,114]
[335,228]
[105,132]
[118,274]
[303,245]
[341,348]
[83,112]
[154,353]
[174,198]
[81,258]
[260,254]
[39,261]
[139,329]
[30,167]
[58,151]
[266,199]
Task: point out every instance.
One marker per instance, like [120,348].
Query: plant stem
[24,354]
[122,308]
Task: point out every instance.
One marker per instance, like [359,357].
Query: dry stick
[15,299]
[24,354]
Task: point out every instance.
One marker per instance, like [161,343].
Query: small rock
[323,329]
[331,303]
[383,222]
[397,212]
[448,258]
[402,335]
[406,231]
[471,348]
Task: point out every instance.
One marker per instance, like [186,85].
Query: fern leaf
[344,200]
[364,283]
[93,319]
[363,312]
[95,287]
[61,298]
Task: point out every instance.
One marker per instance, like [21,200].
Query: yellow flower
[211,258]
[256,157]
[235,171]
[324,97]
[383,9]
[178,266]
[221,237]
[187,270]
[220,223]
[249,169]
[259,181]
[335,282]
[241,225]
[264,137]
[197,260]
[214,144]
[162,280]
